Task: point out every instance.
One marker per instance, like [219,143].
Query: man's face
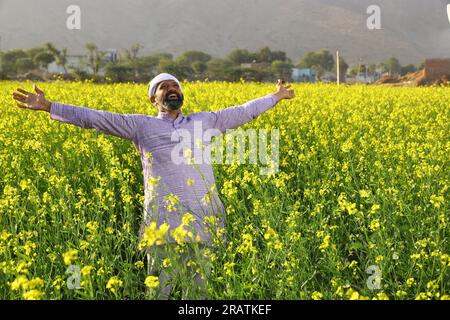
[167,94]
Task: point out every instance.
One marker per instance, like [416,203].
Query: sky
[411,30]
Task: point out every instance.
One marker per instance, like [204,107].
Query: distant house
[366,78]
[255,65]
[246,65]
[329,77]
[437,68]
[303,75]
[73,61]
[112,55]
[77,62]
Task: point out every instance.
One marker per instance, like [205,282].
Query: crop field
[358,210]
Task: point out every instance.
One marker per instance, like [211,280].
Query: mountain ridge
[412,30]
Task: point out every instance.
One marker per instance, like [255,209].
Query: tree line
[264,65]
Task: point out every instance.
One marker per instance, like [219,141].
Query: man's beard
[173,104]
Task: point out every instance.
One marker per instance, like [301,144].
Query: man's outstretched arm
[119,125]
[233,117]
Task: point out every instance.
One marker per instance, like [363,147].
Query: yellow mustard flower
[152,282]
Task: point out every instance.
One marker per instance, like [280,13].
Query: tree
[265,55]
[95,57]
[309,60]
[199,67]
[222,69]
[24,65]
[9,59]
[320,72]
[61,59]
[2,75]
[177,69]
[43,59]
[194,63]
[92,48]
[146,67]
[326,60]
[282,69]
[279,55]
[383,67]
[268,56]
[49,47]
[239,56]
[189,57]
[133,51]
[408,69]
[372,68]
[393,66]
[163,55]
[353,71]
[46,54]
[131,57]
[250,74]
[320,61]
[33,52]
[118,72]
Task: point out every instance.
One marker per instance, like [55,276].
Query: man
[171,188]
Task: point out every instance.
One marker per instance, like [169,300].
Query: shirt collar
[166,116]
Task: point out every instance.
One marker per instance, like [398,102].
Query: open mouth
[173,96]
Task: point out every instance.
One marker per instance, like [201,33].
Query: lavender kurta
[153,138]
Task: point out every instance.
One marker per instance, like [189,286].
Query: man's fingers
[21,106]
[19,97]
[23,91]
[281,82]
[37,89]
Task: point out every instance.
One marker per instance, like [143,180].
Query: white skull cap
[156,80]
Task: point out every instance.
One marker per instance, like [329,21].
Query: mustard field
[358,210]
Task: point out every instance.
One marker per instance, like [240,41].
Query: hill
[411,29]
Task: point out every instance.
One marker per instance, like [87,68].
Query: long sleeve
[120,125]
[233,117]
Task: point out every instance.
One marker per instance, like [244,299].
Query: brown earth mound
[418,78]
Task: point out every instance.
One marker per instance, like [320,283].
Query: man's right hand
[283,92]
[33,101]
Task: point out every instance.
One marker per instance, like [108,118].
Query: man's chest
[166,136]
